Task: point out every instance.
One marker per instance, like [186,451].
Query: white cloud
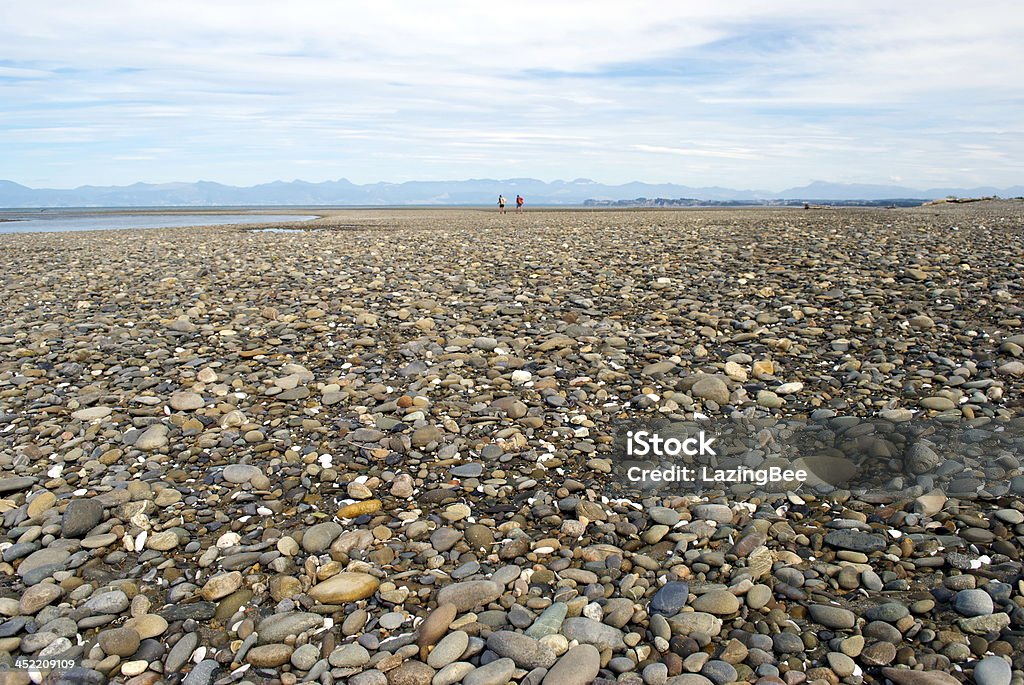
[699,152]
[746,94]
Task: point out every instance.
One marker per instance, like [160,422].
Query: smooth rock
[344,587]
[579,666]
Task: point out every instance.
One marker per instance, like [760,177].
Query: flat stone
[588,631]
[711,388]
[164,541]
[664,516]
[186,401]
[344,587]
[549,622]
[15,484]
[498,672]
[787,643]
[279,627]
[269,656]
[905,676]
[719,513]
[525,651]
[46,557]
[469,594]
[855,540]
[202,673]
[91,413]
[98,541]
[832,617]
[356,509]
[938,403]
[241,473]
[351,655]
[181,652]
[687,622]
[471,470]
[984,625]
[920,458]
[444,538]
[152,439]
[579,666]
[41,503]
[889,612]
[878,654]
[36,597]
[453,673]
[221,585]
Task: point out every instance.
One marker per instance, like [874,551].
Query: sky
[743,94]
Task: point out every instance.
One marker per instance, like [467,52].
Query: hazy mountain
[467,192]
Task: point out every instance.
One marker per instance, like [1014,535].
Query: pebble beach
[379,449]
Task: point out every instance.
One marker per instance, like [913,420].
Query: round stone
[973,603]
[119,641]
[992,670]
[718,602]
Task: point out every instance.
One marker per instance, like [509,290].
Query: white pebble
[228,540]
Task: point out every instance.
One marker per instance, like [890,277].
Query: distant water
[57,220]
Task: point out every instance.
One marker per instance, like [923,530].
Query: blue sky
[762,95]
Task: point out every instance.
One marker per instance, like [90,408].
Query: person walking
[501,204]
[519,204]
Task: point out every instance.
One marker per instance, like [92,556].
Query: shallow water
[28,222]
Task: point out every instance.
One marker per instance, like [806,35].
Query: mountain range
[465,192]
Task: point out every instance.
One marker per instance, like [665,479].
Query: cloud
[751,93]
[696,152]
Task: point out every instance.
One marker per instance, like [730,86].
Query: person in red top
[519,203]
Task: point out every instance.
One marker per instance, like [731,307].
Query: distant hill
[466,192]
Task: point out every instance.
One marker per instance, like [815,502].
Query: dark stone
[855,540]
[81,516]
[199,611]
[670,598]
[76,676]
